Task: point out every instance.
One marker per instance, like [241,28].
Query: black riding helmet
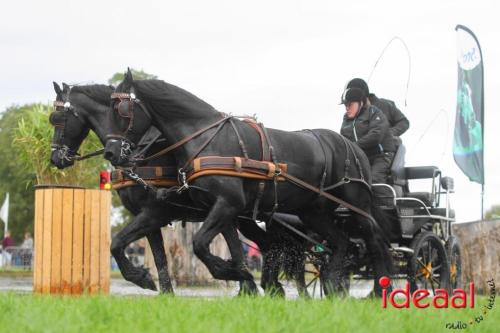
[352,95]
[359,83]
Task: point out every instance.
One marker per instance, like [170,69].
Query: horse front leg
[219,219]
[137,229]
[155,240]
[247,287]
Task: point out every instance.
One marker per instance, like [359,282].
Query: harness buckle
[125,149]
[185,185]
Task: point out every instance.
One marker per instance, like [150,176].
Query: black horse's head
[69,128]
[128,122]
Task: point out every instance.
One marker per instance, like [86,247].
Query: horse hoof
[150,284]
[166,289]
[276,291]
[248,288]
[146,281]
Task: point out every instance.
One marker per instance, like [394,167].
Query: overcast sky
[286,61]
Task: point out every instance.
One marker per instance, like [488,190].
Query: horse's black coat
[177,114]
[90,105]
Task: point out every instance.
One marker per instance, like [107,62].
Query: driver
[398,123]
[367,126]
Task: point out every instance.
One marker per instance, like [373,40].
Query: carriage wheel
[455,260]
[428,266]
[313,266]
[318,283]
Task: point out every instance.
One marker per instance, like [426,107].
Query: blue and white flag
[468,139]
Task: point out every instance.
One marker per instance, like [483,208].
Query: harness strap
[183,141]
[240,141]
[84,157]
[277,172]
[349,147]
[153,184]
[333,198]
[323,177]
[347,180]
[256,204]
[271,148]
[266,155]
[220,124]
[233,166]
[148,173]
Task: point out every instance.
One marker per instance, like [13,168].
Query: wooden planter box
[72,236]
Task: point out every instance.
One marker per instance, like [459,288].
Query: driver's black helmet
[359,83]
[352,95]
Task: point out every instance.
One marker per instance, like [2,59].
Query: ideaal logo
[460,325]
[440,300]
[419,298]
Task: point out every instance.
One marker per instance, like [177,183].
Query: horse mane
[165,96]
[98,92]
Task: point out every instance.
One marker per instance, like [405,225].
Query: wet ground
[120,287]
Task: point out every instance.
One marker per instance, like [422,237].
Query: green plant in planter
[32,140]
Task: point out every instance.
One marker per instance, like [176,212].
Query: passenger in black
[398,123]
[367,126]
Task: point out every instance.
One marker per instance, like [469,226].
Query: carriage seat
[397,174]
[422,172]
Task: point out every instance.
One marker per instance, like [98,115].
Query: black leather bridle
[64,152]
[126,111]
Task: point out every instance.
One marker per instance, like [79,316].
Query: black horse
[86,109]
[313,157]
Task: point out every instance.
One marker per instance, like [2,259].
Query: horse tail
[291,251]
[293,260]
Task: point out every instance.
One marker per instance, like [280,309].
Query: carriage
[425,252]
[421,245]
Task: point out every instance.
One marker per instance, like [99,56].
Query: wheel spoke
[424,259]
[422,264]
[435,268]
[429,252]
[432,285]
[313,280]
[438,283]
[434,255]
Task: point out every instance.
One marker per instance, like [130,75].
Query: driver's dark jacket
[398,123]
[370,130]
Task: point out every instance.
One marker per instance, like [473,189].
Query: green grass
[34,313]
[15,272]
